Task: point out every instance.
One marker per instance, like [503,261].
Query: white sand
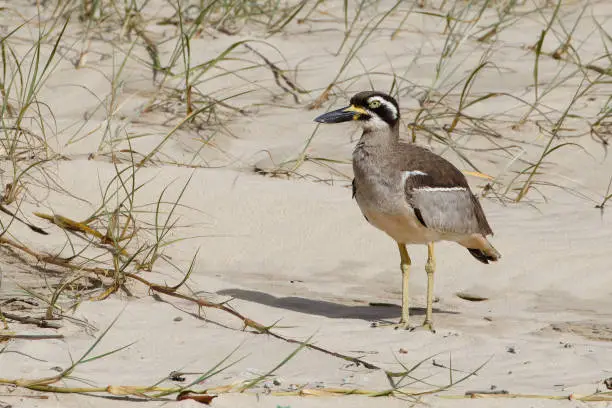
[298,253]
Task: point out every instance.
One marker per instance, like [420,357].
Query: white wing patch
[411,173]
[431,189]
[414,173]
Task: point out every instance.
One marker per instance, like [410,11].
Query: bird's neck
[379,137]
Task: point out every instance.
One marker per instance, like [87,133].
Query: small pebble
[178,319]
[318,384]
[176,376]
[348,380]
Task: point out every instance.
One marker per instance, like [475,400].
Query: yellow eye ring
[374,104]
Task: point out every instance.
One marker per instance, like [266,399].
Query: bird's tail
[481,249]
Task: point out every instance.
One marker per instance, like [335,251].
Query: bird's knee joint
[430,267]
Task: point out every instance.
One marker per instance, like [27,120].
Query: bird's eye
[374,104]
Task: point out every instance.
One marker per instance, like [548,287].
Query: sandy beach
[161,145]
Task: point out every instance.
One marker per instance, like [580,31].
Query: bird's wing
[448,210]
[440,195]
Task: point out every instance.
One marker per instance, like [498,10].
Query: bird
[410,193]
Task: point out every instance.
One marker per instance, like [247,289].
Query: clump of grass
[114,244]
[400,381]
[111,248]
[24,118]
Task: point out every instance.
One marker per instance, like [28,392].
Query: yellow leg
[430,268]
[405,265]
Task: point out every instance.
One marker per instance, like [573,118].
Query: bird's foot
[397,326]
[403,326]
[428,325]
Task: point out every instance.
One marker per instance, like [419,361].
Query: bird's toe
[403,326]
[428,325]
[397,326]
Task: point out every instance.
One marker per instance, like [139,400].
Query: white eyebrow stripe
[433,189]
[391,107]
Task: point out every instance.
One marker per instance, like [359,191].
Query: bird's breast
[376,185]
[379,192]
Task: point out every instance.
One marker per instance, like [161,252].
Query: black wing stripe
[419,216]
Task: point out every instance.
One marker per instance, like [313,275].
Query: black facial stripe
[361,100]
[385,114]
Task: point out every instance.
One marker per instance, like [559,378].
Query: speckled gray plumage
[440,197]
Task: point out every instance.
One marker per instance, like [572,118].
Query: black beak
[340,115]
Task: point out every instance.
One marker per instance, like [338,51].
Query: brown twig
[172,291]
[31,320]
[30,225]
[317,103]
[30,336]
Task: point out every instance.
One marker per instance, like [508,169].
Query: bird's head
[372,110]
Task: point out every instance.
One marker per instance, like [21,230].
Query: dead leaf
[127,390]
[202,398]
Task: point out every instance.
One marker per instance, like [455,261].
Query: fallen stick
[172,291]
[32,320]
[4,336]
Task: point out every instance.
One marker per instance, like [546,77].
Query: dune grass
[154,52]
[161,390]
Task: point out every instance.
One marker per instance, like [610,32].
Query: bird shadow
[324,308]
